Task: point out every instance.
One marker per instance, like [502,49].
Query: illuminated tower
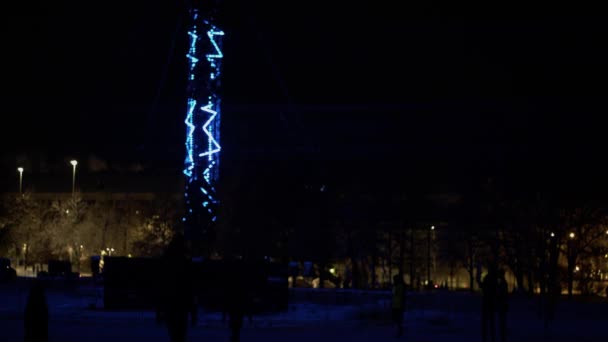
[202,123]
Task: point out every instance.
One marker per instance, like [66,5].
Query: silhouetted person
[488,305]
[502,304]
[398,303]
[237,300]
[348,275]
[36,315]
[553,295]
[177,292]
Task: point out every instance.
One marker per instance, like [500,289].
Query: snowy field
[314,315]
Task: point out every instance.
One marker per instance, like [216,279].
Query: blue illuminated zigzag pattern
[192,53]
[203,122]
[211,126]
[191,104]
[189,138]
[213,146]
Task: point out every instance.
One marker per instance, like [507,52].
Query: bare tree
[157,227]
[29,228]
[21,222]
[69,218]
[584,226]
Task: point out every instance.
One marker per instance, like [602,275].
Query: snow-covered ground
[312,316]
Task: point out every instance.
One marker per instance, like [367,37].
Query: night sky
[445,90]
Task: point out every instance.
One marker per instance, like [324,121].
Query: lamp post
[20,169]
[571,263]
[74,163]
[428,258]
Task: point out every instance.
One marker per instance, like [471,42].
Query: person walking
[502,304]
[488,305]
[177,290]
[237,299]
[36,320]
[398,303]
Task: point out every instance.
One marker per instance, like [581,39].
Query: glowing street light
[74,163]
[428,255]
[571,235]
[20,169]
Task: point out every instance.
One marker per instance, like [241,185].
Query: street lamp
[428,256]
[74,163]
[571,260]
[20,169]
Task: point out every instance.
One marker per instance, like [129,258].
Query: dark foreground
[442,316]
[137,329]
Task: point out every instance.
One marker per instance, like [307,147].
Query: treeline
[34,231]
[547,240]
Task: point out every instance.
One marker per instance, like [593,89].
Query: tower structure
[202,121]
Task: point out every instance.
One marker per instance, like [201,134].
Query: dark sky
[519,89]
